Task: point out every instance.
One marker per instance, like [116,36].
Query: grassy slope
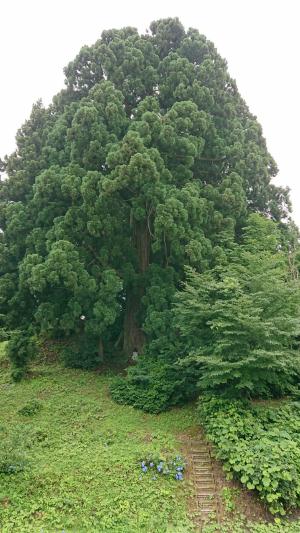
[83,473]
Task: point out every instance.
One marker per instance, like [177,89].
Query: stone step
[207,505]
[205,487]
[207,509]
[203,478]
[203,473]
[200,454]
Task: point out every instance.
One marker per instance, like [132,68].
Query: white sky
[259,38]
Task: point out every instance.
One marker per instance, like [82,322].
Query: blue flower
[179,476]
[144,468]
[143,464]
[151,464]
[159,468]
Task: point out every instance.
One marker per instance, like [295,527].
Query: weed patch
[84,452]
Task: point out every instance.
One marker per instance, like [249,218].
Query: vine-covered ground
[83,452]
[81,456]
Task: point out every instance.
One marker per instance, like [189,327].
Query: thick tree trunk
[142,241]
[134,337]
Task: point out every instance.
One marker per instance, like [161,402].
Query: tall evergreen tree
[147,161]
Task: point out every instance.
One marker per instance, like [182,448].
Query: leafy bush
[241,320]
[153,386]
[21,348]
[282,527]
[242,525]
[260,447]
[31,408]
[13,457]
[4,335]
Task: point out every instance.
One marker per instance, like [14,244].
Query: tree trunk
[142,242]
[101,349]
[134,337]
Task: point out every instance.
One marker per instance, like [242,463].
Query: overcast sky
[259,38]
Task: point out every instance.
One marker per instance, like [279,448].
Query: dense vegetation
[70,459]
[258,445]
[138,216]
[237,323]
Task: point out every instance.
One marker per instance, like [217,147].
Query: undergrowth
[75,459]
[241,525]
[79,469]
[260,446]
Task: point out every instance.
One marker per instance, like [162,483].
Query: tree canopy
[147,162]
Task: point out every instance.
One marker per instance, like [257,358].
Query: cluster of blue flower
[172,468]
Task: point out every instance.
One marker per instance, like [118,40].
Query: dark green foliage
[82,352]
[154,385]
[147,161]
[259,446]
[4,335]
[20,349]
[233,329]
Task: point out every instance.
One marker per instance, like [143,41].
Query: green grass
[83,452]
[83,473]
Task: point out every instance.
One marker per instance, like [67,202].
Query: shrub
[4,335]
[260,447]
[21,348]
[31,408]
[242,525]
[153,386]
[241,320]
